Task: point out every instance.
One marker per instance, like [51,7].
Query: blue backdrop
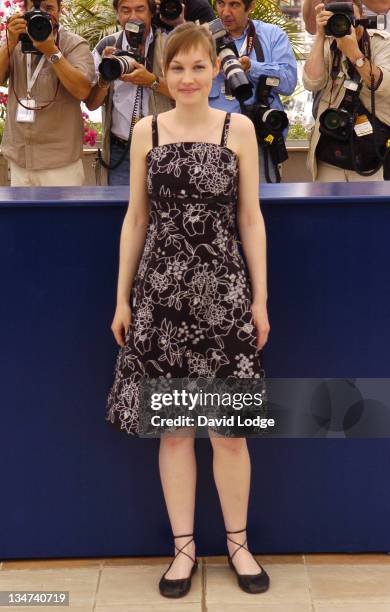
[74,486]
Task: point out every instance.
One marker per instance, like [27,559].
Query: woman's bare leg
[177,464]
[232,474]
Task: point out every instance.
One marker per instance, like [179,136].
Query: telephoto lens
[170,9]
[116,65]
[239,85]
[339,24]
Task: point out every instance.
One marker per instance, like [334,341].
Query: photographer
[264,51]
[43,135]
[350,72]
[139,91]
[371,7]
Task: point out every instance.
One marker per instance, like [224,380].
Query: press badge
[26,115]
[362,126]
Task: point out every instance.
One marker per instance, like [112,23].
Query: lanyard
[249,41]
[31,79]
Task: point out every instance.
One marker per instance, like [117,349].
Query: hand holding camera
[15,27]
[138,76]
[322,17]
[349,45]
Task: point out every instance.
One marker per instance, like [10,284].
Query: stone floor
[299,583]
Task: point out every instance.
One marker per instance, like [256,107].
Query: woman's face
[190,74]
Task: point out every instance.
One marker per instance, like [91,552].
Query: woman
[193,311]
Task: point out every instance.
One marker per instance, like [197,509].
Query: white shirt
[124,95]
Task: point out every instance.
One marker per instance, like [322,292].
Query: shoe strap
[238,544]
[180,550]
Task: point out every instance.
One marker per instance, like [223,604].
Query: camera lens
[339,25]
[112,68]
[39,27]
[334,120]
[170,9]
[235,75]
[275,120]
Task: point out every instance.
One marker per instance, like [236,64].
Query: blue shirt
[279,61]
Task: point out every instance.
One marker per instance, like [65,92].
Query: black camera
[170,9]
[339,24]
[338,123]
[269,123]
[234,73]
[39,27]
[122,62]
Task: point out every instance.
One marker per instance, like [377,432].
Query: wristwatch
[55,57]
[360,62]
[156,84]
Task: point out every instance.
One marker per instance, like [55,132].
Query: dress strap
[225,130]
[154,131]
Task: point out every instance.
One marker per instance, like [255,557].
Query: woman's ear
[216,67]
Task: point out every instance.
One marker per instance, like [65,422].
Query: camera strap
[32,78]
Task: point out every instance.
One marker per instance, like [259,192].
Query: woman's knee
[230,445]
[179,441]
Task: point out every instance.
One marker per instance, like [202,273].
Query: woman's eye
[199,67]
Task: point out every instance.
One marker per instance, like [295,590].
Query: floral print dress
[191,297]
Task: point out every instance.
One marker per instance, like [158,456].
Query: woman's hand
[260,319]
[322,18]
[121,323]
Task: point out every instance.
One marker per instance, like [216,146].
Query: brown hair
[186,36]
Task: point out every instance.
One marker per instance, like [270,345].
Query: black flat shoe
[250,583]
[178,587]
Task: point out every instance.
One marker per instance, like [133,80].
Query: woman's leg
[177,464]
[232,474]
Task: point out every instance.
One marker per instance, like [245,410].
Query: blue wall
[74,486]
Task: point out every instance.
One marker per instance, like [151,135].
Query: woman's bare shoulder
[241,133]
[240,123]
[142,134]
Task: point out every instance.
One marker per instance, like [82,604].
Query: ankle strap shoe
[178,587]
[250,583]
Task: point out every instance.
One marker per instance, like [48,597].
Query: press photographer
[371,7]
[352,73]
[129,84]
[262,50]
[49,71]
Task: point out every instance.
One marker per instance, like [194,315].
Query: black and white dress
[191,297]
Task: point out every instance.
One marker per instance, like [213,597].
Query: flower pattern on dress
[191,296]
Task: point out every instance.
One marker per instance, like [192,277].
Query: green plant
[91,19]
[297,131]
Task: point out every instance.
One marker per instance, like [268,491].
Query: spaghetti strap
[154,131]
[225,130]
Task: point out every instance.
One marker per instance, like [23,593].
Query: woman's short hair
[188,36]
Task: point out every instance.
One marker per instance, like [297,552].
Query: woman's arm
[251,223]
[134,228]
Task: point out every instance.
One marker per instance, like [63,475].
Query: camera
[170,9]
[339,24]
[235,76]
[269,122]
[38,26]
[338,123]
[122,62]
